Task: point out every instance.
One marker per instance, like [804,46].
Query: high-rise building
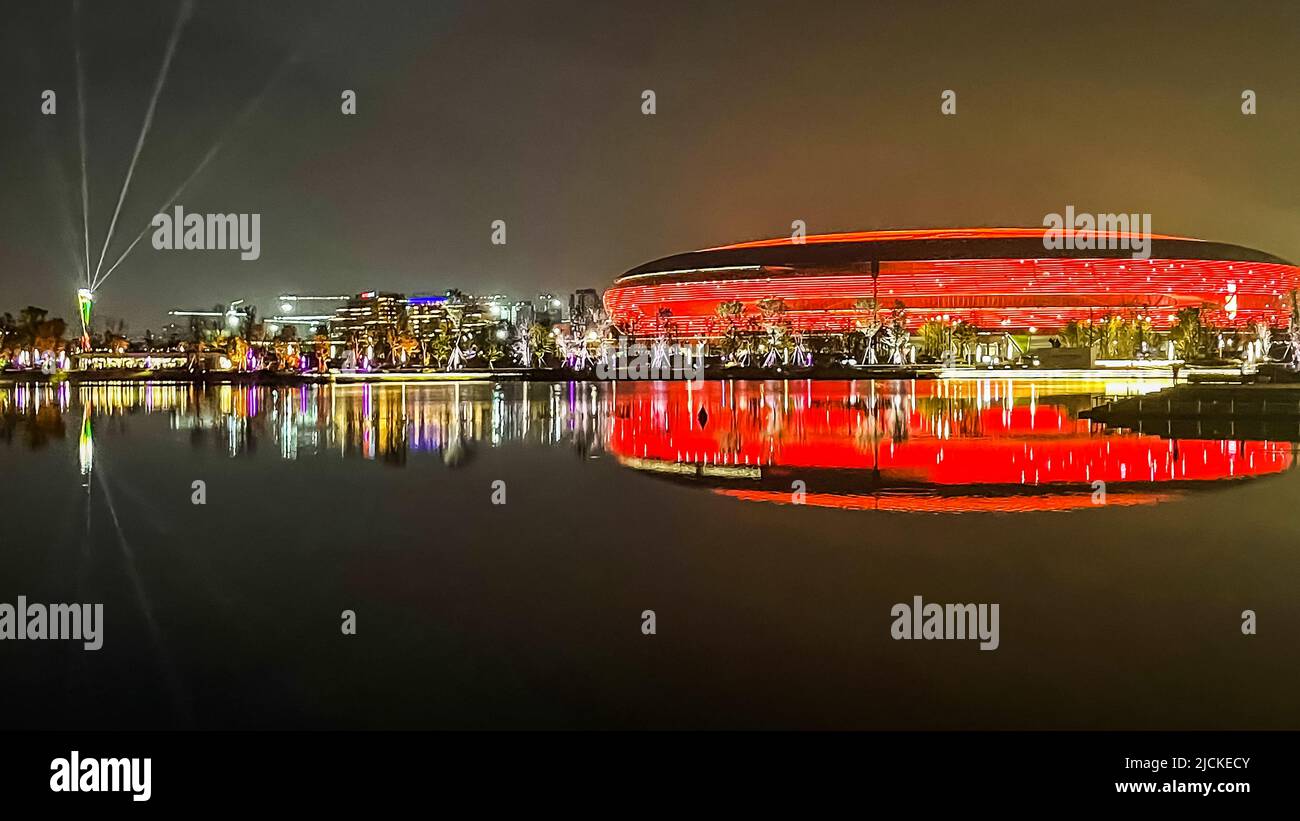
[522,314]
[371,314]
[585,307]
[425,314]
[550,309]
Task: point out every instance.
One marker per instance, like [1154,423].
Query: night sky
[531,113]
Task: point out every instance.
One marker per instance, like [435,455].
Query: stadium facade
[992,278]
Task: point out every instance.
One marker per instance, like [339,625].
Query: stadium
[993,279]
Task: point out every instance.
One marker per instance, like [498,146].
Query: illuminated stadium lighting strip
[926,234]
[696,271]
[990,293]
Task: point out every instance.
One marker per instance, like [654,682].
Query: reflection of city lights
[956,445]
[86,444]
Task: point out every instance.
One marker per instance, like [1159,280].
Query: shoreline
[917,372]
[432,376]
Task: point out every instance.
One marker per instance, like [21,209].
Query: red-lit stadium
[992,278]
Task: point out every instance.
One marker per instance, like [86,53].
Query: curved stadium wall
[991,278]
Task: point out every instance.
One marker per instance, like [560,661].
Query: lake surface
[770,526]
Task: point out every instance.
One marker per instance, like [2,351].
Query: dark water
[379,499]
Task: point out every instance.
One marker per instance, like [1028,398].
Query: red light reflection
[925,445]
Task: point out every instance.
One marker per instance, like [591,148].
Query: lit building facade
[992,278]
[371,313]
[585,307]
[425,314]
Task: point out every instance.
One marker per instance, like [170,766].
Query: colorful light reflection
[924,445]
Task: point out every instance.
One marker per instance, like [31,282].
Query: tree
[964,337]
[896,335]
[934,338]
[49,335]
[1188,334]
[31,316]
[1077,334]
[665,326]
[321,350]
[776,325]
[1139,337]
[406,345]
[1263,341]
[237,350]
[732,315]
[438,348]
[1293,330]
[541,343]
[868,324]
[1109,334]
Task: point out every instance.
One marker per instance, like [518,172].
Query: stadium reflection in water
[931,446]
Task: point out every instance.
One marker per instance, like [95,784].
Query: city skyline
[848,135]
